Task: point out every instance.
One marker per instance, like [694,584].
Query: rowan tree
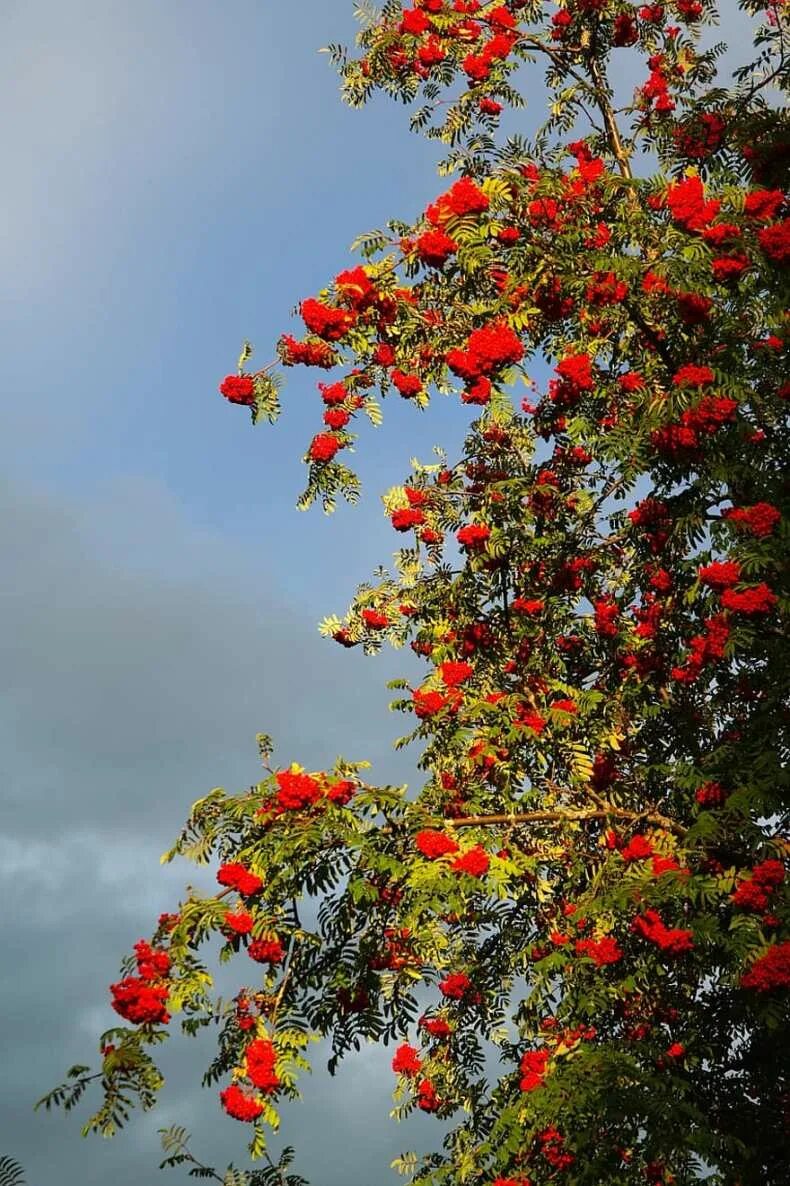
[590,883]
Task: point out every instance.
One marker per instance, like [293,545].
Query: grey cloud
[131,688]
[131,693]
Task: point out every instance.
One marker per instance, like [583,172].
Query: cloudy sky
[179,175]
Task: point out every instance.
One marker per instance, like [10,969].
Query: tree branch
[604,106]
[605,812]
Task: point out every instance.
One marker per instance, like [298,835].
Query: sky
[178,176]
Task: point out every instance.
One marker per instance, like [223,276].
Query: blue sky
[178,176]
[185,174]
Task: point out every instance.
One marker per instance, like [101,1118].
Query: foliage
[11,1172]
